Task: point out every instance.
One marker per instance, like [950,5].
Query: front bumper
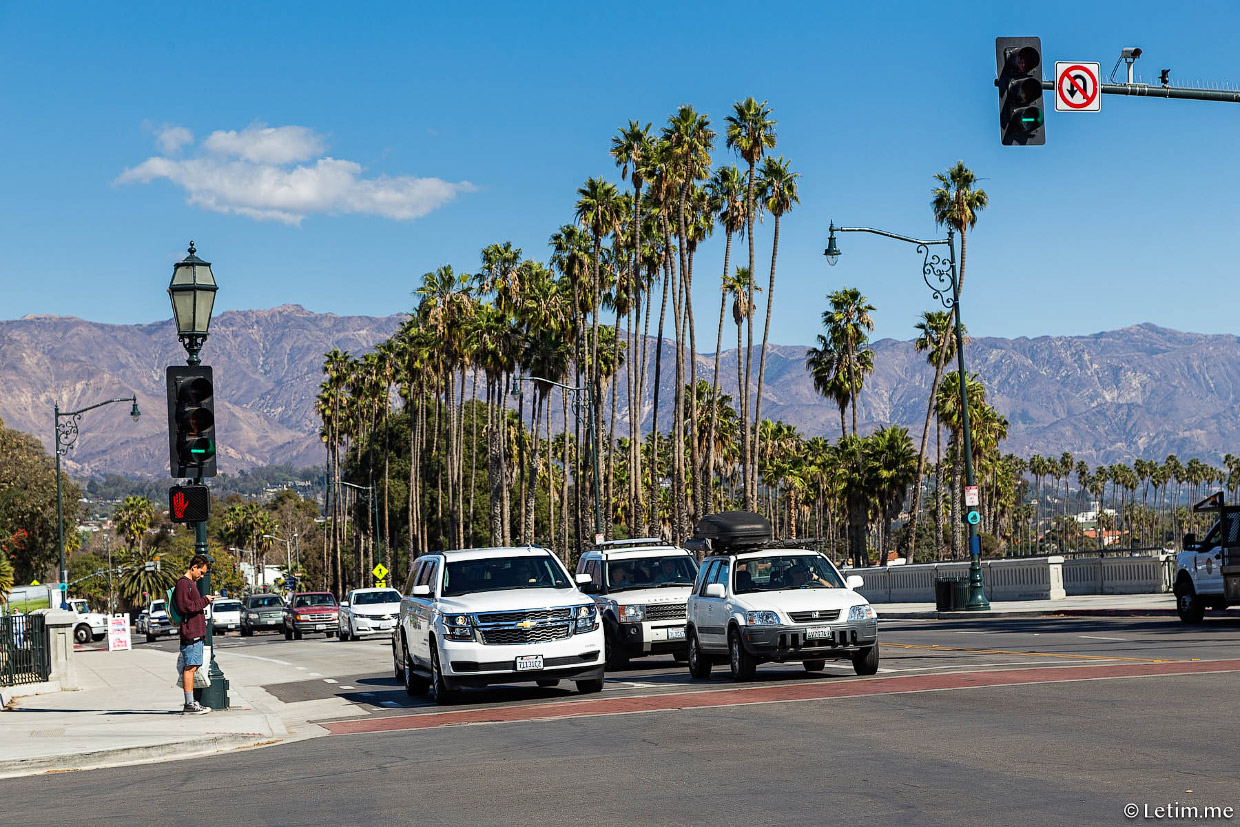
[469,663]
[653,637]
[791,643]
[316,625]
[273,622]
[360,626]
[230,626]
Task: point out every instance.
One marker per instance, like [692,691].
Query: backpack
[170,605]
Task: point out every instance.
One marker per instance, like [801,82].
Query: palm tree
[937,341]
[823,363]
[890,455]
[751,131]
[848,322]
[133,519]
[950,414]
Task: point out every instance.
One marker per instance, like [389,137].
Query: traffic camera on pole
[1022,116]
[191,422]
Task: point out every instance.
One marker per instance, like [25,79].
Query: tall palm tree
[848,321]
[935,339]
[750,133]
[950,414]
[824,365]
[890,454]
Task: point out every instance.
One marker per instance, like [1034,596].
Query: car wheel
[330,633]
[296,634]
[439,687]
[344,635]
[743,664]
[415,684]
[288,634]
[397,666]
[150,638]
[82,634]
[246,631]
[1188,605]
[590,687]
[699,664]
[616,657]
[814,665]
[865,661]
[547,684]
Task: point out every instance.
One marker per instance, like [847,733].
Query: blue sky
[401,137]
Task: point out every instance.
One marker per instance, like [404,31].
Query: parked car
[261,611]
[139,625]
[90,625]
[226,613]
[641,588]
[310,612]
[368,612]
[157,621]
[499,615]
[759,600]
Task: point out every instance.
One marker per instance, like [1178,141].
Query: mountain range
[1140,392]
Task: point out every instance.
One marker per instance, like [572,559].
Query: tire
[288,634]
[439,688]
[590,687]
[344,635]
[415,684]
[81,634]
[548,684]
[296,634]
[865,661]
[1190,607]
[330,634]
[814,665]
[680,657]
[397,667]
[150,638]
[616,657]
[743,664]
[699,664]
[247,631]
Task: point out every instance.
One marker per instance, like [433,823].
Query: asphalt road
[939,748]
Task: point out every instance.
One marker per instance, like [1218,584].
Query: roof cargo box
[730,529]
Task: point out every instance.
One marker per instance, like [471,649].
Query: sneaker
[195,709]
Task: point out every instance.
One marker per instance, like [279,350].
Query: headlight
[762,618]
[587,618]
[632,614]
[863,612]
[301,616]
[457,627]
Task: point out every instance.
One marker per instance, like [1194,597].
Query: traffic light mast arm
[1141,90]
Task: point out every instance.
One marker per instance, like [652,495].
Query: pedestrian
[190,604]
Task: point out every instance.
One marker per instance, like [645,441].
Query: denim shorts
[191,655]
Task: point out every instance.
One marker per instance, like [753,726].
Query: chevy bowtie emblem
[526,624]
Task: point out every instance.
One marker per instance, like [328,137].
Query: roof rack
[635,541]
[730,530]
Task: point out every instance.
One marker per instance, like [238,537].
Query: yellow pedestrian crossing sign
[380,571]
[380,584]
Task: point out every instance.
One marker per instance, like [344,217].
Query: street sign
[380,571]
[380,584]
[1077,87]
[970,496]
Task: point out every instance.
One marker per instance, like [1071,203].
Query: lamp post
[577,391]
[374,521]
[66,436]
[192,293]
[939,274]
[288,551]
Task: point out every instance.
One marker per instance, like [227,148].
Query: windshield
[777,572]
[303,600]
[500,573]
[79,606]
[373,598]
[265,602]
[157,606]
[651,572]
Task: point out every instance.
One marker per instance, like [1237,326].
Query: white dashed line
[346,687]
[330,680]
[1095,637]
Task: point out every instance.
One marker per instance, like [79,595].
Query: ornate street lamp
[939,274]
[192,291]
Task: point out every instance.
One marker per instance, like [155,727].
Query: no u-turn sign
[1076,87]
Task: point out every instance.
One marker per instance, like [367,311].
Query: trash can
[951,594]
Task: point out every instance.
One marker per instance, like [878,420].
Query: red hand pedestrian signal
[178,505]
[189,503]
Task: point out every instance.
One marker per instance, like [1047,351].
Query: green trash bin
[960,594]
[951,594]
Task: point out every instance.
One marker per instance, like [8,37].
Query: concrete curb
[123,756]
[961,615]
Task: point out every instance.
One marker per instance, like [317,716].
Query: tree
[28,506]
[936,339]
[848,322]
[133,519]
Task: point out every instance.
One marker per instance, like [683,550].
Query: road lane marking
[937,648]
[816,691]
[259,657]
[331,680]
[1096,637]
[347,687]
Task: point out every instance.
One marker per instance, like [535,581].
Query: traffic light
[189,503]
[1018,65]
[191,422]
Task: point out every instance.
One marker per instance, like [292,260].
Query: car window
[706,576]
[374,598]
[651,572]
[429,573]
[502,574]
[595,569]
[780,572]
[157,606]
[721,574]
[305,600]
[265,602]
[415,571]
[226,606]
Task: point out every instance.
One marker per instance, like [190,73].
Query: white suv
[496,615]
[752,605]
[641,588]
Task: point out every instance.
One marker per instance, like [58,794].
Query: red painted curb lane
[821,690]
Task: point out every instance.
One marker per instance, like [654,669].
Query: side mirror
[422,590]
[715,590]
[582,578]
[1190,541]
[344,603]
[854,581]
[588,588]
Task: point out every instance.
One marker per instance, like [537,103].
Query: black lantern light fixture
[192,291]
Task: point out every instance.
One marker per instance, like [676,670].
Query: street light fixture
[939,274]
[288,552]
[192,291]
[577,391]
[374,519]
[66,436]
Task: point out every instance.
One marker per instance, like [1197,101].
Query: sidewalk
[1088,605]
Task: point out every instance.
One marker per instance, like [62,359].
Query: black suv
[261,611]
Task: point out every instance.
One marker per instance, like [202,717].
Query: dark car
[310,612]
[261,611]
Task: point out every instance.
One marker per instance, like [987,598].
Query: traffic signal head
[191,421]
[189,503]
[1022,116]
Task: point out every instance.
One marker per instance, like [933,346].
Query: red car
[310,612]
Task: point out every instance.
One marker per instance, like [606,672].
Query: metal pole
[60,512]
[595,439]
[1141,90]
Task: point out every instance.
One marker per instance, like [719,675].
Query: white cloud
[259,173]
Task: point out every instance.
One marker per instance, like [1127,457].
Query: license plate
[676,633]
[529,663]
[320,626]
[816,632]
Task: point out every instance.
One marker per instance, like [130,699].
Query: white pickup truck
[1207,571]
[89,625]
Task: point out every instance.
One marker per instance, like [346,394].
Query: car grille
[319,617]
[665,611]
[815,616]
[538,634]
[563,613]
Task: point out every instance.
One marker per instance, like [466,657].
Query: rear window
[265,602]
